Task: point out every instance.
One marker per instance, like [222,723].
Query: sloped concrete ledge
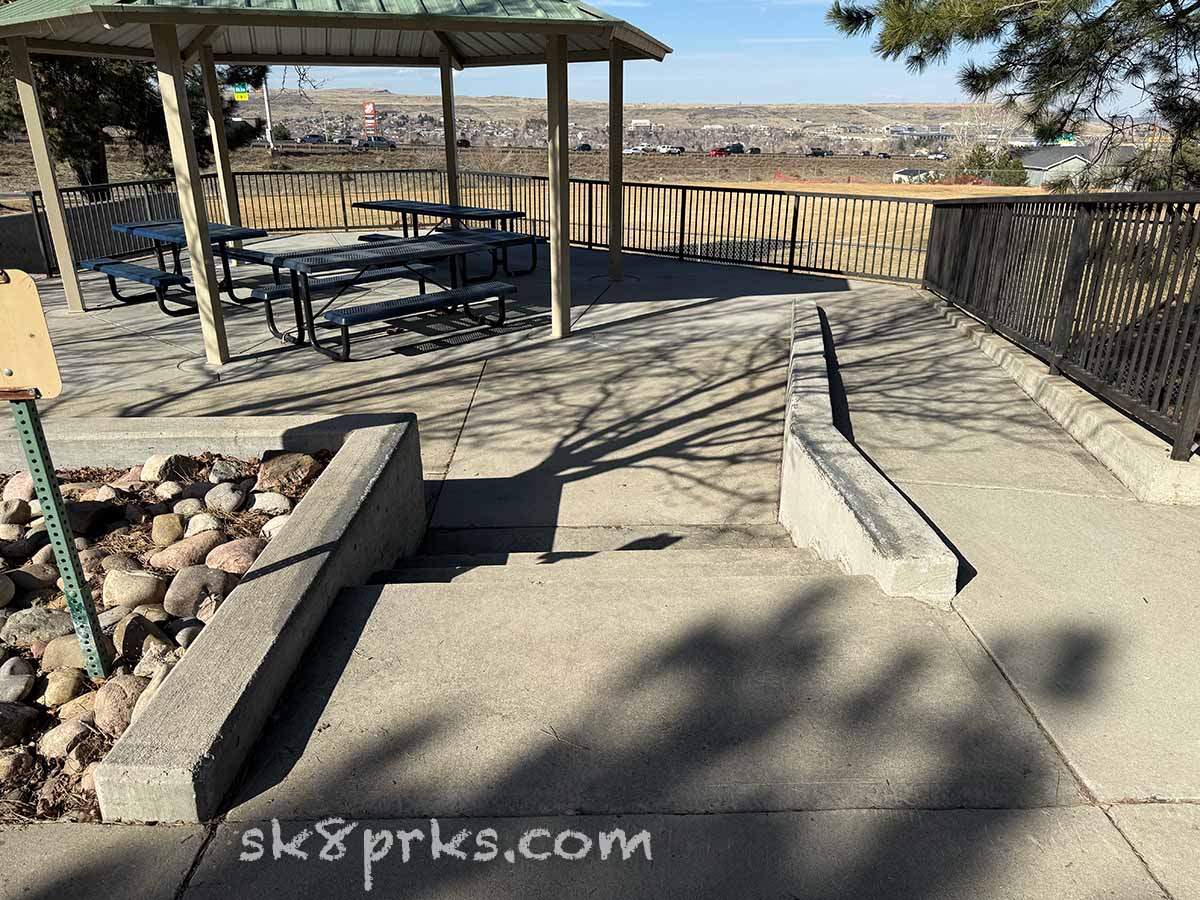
[1140,460]
[366,509]
[833,500]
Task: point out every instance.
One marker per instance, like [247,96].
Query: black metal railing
[1105,288]
[844,234]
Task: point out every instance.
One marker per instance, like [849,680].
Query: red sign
[370,119]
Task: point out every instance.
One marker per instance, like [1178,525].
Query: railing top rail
[331,172]
[1097,198]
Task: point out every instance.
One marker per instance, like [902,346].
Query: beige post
[560,186]
[449,127]
[43,162]
[216,129]
[616,160]
[173,88]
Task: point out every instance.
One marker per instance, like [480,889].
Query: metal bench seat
[388,309]
[159,280]
[417,271]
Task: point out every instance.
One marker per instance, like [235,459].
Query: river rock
[16,680]
[115,701]
[120,562]
[14,512]
[194,585]
[168,490]
[165,467]
[16,765]
[224,497]
[202,522]
[15,721]
[166,529]
[64,652]
[63,686]
[235,557]
[224,470]
[188,552]
[83,706]
[133,588]
[153,612]
[25,626]
[11,533]
[19,487]
[137,635]
[44,556]
[285,470]
[273,526]
[184,636]
[188,507]
[271,503]
[154,657]
[62,739]
[108,618]
[8,590]
[92,560]
[33,577]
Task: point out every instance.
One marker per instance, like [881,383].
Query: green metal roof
[349,32]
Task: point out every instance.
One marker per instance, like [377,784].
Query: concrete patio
[779,728]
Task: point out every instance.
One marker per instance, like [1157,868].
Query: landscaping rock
[271,504]
[8,590]
[92,560]
[19,487]
[133,588]
[120,562]
[108,618]
[64,652]
[187,552]
[14,512]
[194,585]
[16,766]
[25,626]
[153,658]
[81,707]
[44,557]
[189,507]
[16,719]
[11,533]
[224,470]
[104,493]
[86,516]
[165,467]
[224,498]
[168,490]
[184,636]
[154,612]
[115,701]
[166,529]
[286,470]
[16,680]
[33,577]
[202,522]
[136,635]
[196,491]
[63,686]
[62,739]
[236,557]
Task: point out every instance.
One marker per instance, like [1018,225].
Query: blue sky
[769,51]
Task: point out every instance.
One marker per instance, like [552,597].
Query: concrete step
[603,537]
[627,565]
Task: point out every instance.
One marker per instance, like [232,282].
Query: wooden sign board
[26,355]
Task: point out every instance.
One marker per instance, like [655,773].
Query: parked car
[718,151]
[462,143]
[755,151]
[347,141]
[816,151]
[376,142]
[667,150]
[885,155]
[313,139]
[939,156]
[633,151]
[735,148]
[584,148]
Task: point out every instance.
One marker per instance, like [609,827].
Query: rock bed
[161,545]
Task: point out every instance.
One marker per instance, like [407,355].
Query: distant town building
[911,176]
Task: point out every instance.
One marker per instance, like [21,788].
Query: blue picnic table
[443,212]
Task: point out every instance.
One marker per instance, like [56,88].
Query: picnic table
[170,233]
[442,212]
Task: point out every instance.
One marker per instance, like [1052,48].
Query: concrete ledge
[366,509]
[1140,460]
[833,500]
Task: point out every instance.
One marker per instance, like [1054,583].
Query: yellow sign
[241,92]
[26,355]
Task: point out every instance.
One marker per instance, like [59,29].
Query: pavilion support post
[43,162]
[187,182]
[450,127]
[560,186]
[616,160]
[216,129]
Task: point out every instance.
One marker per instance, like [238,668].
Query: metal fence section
[845,234]
[1105,288]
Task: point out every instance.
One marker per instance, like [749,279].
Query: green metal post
[58,527]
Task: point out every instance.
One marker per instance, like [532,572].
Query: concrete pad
[52,860]
[601,537]
[1089,604]
[1167,837]
[1058,854]
[645,695]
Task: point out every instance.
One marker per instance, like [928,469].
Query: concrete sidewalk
[778,730]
